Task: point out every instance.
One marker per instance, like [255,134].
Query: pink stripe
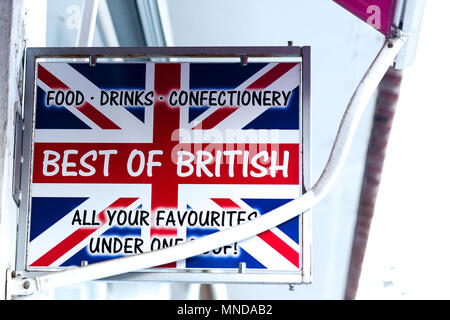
[96,116]
[50,79]
[270,77]
[163,232]
[61,248]
[226,203]
[282,247]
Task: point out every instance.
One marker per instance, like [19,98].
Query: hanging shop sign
[129,156]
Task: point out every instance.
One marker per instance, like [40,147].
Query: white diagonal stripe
[76,81]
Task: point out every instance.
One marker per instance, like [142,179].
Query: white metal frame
[237,276]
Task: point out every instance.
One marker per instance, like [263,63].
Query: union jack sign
[132,157]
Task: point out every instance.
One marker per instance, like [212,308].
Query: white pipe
[87,27]
[265,222]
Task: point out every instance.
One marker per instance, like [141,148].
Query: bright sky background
[408,255]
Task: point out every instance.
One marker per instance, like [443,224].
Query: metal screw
[26,284]
[390,45]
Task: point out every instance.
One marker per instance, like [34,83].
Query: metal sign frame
[150,54]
